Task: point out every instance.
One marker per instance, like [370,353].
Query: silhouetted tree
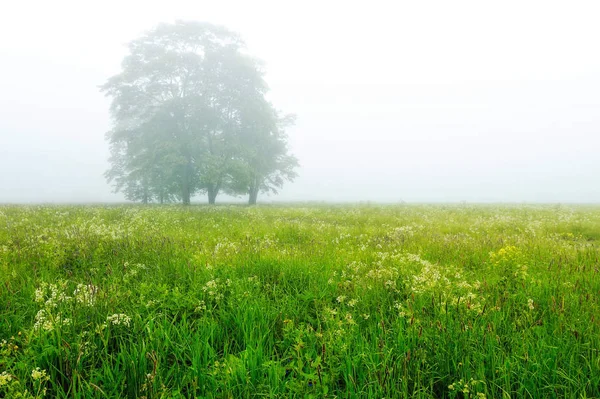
[264,164]
[182,118]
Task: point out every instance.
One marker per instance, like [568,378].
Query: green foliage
[322,302]
[190,116]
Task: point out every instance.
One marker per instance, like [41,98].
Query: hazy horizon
[423,103]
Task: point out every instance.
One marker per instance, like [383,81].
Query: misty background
[434,102]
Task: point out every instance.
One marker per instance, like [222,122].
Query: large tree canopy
[190,116]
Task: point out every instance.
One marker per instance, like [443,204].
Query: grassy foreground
[323,302]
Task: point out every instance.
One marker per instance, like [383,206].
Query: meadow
[420,301]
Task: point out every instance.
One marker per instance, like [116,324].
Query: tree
[232,78]
[162,106]
[143,164]
[265,163]
[182,110]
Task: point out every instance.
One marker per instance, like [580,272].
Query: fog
[395,101]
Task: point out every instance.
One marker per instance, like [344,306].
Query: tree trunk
[252,197]
[213,191]
[253,192]
[212,196]
[186,191]
[185,195]
[145,192]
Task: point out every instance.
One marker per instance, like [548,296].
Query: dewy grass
[293,302]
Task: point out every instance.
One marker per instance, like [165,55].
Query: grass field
[292,302]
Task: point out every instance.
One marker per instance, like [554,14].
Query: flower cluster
[48,321]
[39,375]
[119,319]
[5,378]
[85,294]
[467,387]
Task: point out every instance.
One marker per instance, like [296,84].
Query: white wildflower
[39,375]
[201,307]
[349,319]
[119,318]
[5,378]
[39,295]
[85,294]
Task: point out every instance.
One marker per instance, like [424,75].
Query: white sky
[396,100]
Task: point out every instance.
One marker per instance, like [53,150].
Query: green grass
[295,302]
